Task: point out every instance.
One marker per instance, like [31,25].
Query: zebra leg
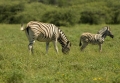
[55,45]
[31,39]
[47,47]
[83,46]
[30,47]
[100,47]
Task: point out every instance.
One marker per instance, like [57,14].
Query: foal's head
[106,32]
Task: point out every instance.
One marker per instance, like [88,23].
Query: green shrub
[116,17]
[9,12]
[60,17]
[59,3]
[94,15]
[60,12]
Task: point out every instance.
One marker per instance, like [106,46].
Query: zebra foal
[89,38]
[44,32]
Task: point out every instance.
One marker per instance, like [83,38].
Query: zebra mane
[62,38]
[103,30]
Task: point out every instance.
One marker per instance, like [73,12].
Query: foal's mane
[103,30]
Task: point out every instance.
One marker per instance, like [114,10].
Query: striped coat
[95,39]
[92,38]
[45,32]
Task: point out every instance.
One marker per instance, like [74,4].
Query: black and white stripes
[89,38]
[45,32]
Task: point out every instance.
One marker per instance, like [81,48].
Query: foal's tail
[80,42]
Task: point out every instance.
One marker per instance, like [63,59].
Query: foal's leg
[100,47]
[83,46]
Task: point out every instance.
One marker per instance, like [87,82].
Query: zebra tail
[80,42]
[22,27]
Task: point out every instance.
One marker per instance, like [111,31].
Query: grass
[90,66]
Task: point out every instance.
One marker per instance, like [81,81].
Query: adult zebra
[45,32]
[89,38]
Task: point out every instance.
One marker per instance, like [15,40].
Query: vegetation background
[61,12]
[74,17]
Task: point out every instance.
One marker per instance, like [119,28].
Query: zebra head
[106,32]
[66,48]
[109,33]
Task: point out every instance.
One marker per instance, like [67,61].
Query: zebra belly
[93,43]
[43,38]
[96,42]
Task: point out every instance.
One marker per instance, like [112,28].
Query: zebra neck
[62,41]
[98,36]
[62,38]
[104,35]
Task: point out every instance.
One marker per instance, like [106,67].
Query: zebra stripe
[89,38]
[45,32]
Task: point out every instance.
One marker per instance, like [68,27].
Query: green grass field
[90,66]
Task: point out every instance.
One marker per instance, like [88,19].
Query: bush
[116,17]
[60,12]
[95,16]
[8,12]
[59,3]
[60,17]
